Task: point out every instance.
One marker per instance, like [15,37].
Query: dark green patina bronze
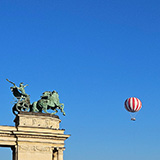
[49,100]
[22,102]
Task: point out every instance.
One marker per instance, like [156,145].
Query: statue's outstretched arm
[11,82]
[26,85]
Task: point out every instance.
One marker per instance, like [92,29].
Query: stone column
[60,153]
[55,154]
[14,153]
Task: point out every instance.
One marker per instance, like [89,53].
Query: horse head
[46,95]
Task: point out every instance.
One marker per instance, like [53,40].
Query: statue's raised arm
[15,90]
[11,82]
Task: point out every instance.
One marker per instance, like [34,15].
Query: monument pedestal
[36,136]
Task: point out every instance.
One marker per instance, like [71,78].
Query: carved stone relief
[28,148]
[39,122]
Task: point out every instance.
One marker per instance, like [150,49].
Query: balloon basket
[133,119]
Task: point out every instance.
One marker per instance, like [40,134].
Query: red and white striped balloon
[133,104]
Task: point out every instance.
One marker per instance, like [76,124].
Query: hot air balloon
[133,105]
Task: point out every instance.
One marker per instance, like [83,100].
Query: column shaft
[55,155]
[60,154]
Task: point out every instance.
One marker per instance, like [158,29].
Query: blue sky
[95,53]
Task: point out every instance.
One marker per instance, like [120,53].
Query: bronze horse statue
[49,100]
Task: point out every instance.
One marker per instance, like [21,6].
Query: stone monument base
[36,136]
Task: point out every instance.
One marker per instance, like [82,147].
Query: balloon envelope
[132,104]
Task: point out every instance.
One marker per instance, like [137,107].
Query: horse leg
[61,108]
[33,107]
[54,112]
[44,108]
[62,105]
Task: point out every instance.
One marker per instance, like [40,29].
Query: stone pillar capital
[61,148]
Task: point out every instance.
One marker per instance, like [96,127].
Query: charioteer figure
[23,99]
